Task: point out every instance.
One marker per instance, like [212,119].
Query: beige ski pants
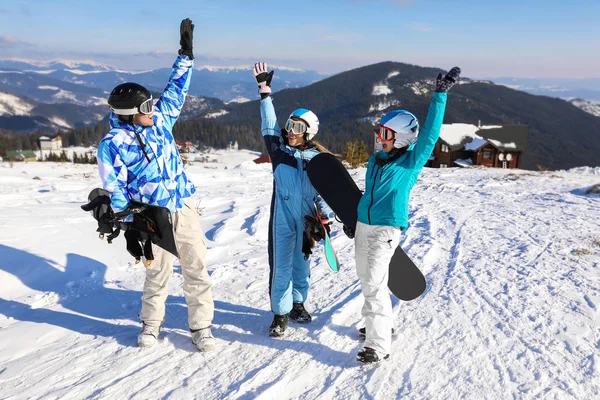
[197,284]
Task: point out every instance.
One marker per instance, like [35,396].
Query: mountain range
[225,83]
[561,134]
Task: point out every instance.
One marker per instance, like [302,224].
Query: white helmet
[311,120]
[405,126]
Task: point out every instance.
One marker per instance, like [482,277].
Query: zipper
[162,180]
[372,193]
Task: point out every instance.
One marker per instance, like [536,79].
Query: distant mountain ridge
[225,83]
[560,134]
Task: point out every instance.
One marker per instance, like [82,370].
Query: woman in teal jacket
[383,209]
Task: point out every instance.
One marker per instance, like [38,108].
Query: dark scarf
[393,156]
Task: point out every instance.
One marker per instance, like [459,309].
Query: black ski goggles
[296,127]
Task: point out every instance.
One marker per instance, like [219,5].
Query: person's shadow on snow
[93,308]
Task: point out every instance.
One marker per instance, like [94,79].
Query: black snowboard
[332,181]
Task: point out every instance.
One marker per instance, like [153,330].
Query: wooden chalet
[495,147]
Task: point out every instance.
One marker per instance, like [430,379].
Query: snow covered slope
[587,106]
[512,310]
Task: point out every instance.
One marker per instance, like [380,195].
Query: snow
[60,122]
[587,106]
[420,88]
[500,144]
[79,150]
[382,105]
[42,72]
[379,90]
[13,105]
[69,63]
[512,310]
[453,134]
[248,67]
[46,87]
[491,127]
[64,94]
[216,114]
[392,74]
[239,99]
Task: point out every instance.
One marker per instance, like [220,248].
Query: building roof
[12,154]
[507,137]
[472,138]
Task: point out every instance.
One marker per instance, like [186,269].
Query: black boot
[362,333]
[369,356]
[278,326]
[299,314]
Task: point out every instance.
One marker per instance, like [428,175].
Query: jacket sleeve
[171,101]
[113,174]
[272,135]
[430,132]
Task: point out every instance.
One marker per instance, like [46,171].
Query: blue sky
[486,38]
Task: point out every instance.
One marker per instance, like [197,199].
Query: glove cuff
[263,88]
[187,52]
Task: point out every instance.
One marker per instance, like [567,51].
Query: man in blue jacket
[138,161]
[383,209]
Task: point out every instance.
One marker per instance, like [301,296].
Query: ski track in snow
[511,260]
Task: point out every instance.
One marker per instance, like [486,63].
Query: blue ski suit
[293,198]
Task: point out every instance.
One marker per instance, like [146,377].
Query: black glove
[263,79]
[349,232]
[187,38]
[443,84]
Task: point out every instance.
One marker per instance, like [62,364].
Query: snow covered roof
[456,136]
[507,137]
[471,137]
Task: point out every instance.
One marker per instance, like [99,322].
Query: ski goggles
[384,134]
[147,107]
[296,127]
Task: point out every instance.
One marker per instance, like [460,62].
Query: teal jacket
[387,188]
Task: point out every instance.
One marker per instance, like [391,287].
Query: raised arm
[269,126]
[430,133]
[171,101]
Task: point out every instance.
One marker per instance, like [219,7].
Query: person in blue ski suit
[293,198]
[383,210]
[138,161]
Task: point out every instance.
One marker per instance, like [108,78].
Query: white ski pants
[197,284]
[375,245]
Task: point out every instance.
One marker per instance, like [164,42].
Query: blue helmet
[405,126]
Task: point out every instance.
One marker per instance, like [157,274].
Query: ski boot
[299,314]
[369,356]
[278,326]
[148,335]
[203,339]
